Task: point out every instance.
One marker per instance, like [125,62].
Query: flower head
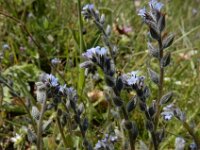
[88,11]
[88,7]
[107,141]
[55,61]
[51,80]
[92,52]
[63,88]
[130,78]
[168,112]
[142,12]
[154,4]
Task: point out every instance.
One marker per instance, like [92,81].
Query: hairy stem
[126,117]
[131,138]
[161,84]
[160,93]
[61,131]
[39,129]
[106,38]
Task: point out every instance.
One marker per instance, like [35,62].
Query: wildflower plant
[50,95]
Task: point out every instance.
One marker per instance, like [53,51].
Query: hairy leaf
[166,98]
[166,60]
[154,76]
[168,41]
[131,104]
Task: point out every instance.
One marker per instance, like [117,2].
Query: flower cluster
[154,18]
[98,57]
[50,80]
[106,143]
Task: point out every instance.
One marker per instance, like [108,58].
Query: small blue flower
[154,4]
[167,115]
[55,61]
[168,112]
[63,88]
[130,78]
[88,7]
[52,80]
[89,53]
[98,145]
[5,46]
[92,52]
[142,12]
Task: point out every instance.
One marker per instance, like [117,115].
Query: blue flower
[142,12]
[92,52]
[168,112]
[5,46]
[88,11]
[98,145]
[88,7]
[154,4]
[63,88]
[55,61]
[89,53]
[51,80]
[130,78]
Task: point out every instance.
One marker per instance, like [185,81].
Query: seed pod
[119,84]
[168,41]
[149,125]
[35,113]
[117,101]
[77,118]
[166,98]
[143,106]
[31,136]
[41,96]
[102,19]
[85,124]
[152,50]
[165,61]
[154,32]
[161,23]
[154,76]
[131,104]
[108,30]
[128,125]
[80,109]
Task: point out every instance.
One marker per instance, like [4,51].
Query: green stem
[131,139]
[2,80]
[39,131]
[81,77]
[61,131]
